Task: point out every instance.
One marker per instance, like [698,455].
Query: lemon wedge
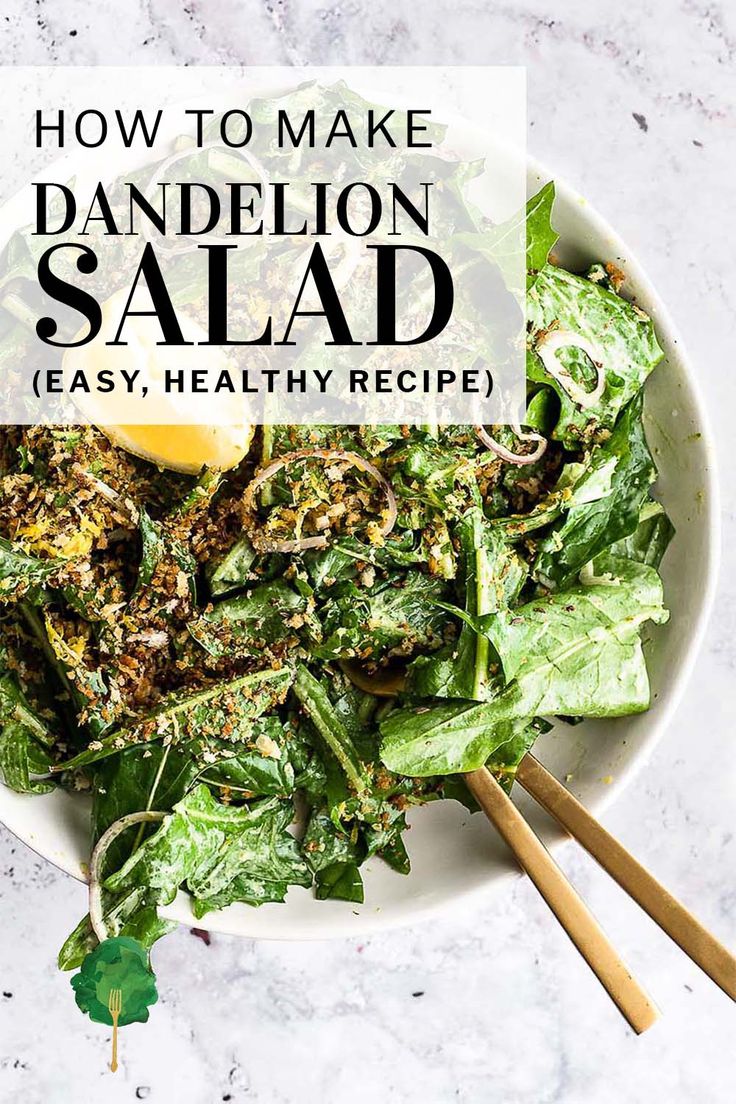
[171,440]
[186,449]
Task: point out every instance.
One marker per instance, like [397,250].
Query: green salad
[277,663]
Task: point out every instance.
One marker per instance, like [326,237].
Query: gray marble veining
[635,105]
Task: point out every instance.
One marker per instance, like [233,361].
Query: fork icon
[115,1007]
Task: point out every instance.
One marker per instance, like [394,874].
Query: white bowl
[455,854]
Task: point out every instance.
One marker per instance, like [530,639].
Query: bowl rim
[369,922]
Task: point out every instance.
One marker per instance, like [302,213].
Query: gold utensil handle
[114,1061]
[680,924]
[579,923]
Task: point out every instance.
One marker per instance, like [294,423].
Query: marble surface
[636,105]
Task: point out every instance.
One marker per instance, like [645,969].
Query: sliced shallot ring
[96,917]
[548,347]
[302,544]
[519,458]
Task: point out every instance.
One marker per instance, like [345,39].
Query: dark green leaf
[249,891]
[445,738]
[540,234]
[605,504]
[246,624]
[341,881]
[575,652]
[531,229]
[648,542]
[18,570]
[390,619]
[493,575]
[227,709]
[234,569]
[260,770]
[25,741]
[622,335]
[326,845]
[206,846]
[158,546]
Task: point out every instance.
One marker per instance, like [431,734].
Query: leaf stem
[483,605]
[267,440]
[320,711]
[152,794]
[36,626]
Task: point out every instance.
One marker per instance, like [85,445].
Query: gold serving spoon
[666,911]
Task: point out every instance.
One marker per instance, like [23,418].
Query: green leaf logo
[116,964]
